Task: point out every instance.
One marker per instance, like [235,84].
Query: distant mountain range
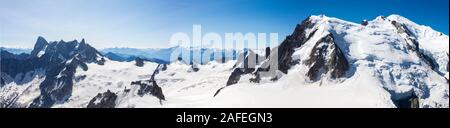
[163,55]
[158,55]
[17,50]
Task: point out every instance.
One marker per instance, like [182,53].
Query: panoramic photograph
[224,54]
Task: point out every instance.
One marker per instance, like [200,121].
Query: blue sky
[150,23]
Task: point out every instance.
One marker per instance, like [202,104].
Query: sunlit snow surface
[380,66]
[185,88]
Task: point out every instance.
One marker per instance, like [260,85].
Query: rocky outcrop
[413,45]
[58,84]
[2,82]
[336,64]
[12,65]
[236,75]
[194,67]
[139,62]
[246,64]
[60,61]
[164,67]
[267,52]
[150,86]
[448,73]
[411,101]
[364,23]
[41,43]
[9,101]
[103,100]
[88,54]
[7,55]
[284,53]
[297,39]
[326,57]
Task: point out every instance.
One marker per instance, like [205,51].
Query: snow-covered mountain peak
[39,47]
[399,18]
[324,20]
[420,31]
[330,50]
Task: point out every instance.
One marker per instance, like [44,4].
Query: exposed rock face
[145,86]
[139,62]
[194,67]
[256,79]
[236,75]
[57,86]
[12,65]
[234,55]
[9,101]
[59,60]
[337,64]
[448,73]
[319,62]
[364,22]
[88,54]
[267,52]
[246,64]
[103,100]
[411,101]
[7,55]
[164,68]
[413,45]
[325,57]
[2,82]
[286,48]
[41,43]
[150,86]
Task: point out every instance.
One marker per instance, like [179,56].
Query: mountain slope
[401,60]
[326,62]
[55,64]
